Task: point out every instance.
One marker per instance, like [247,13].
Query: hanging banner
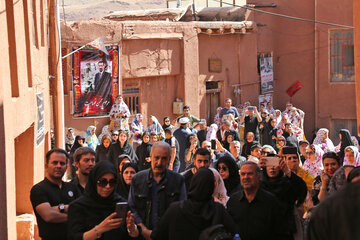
[95,81]
[40,130]
[266,73]
[296,86]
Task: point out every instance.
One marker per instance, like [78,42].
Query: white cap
[183,120]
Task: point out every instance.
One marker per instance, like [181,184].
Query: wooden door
[212,103]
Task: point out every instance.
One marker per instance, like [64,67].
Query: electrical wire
[285,16]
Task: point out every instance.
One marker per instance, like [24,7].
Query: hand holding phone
[272,161]
[121,209]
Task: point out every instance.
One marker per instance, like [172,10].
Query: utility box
[177,107]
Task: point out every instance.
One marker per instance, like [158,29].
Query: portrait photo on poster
[95,81]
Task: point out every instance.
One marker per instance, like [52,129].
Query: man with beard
[102,82]
[154,189]
[50,198]
[84,160]
[202,158]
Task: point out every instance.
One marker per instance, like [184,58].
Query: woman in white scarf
[323,141]
[119,115]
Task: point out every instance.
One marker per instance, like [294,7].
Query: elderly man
[50,198]
[153,190]
[255,211]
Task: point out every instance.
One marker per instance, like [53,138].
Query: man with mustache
[255,211]
[84,160]
[51,197]
[154,189]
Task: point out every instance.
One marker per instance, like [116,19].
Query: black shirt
[46,191]
[174,144]
[76,182]
[251,125]
[259,219]
[188,174]
[291,140]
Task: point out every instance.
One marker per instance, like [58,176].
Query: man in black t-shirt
[50,198]
[251,118]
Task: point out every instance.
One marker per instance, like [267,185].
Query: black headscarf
[345,142]
[76,144]
[122,188]
[120,159]
[199,206]
[96,173]
[164,126]
[233,181]
[225,143]
[143,152]
[91,209]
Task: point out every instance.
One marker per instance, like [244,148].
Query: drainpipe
[356,22]
[316,82]
[55,70]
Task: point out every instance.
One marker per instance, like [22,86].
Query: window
[342,56]
[131,98]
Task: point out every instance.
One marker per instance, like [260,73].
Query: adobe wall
[336,99]
[160,65]
[24,64]
[292,44]
[238,55]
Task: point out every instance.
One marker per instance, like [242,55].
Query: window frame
[344,74]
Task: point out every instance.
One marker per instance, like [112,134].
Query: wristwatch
[61,207]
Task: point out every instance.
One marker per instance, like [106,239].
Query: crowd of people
[251,174]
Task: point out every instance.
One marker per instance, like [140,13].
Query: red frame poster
[95,81]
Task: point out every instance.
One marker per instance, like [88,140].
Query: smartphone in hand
[121,209]
[213,144]
[272,161]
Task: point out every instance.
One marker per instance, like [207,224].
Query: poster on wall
[265,99]
[40,130]
[95,81]
[266,73]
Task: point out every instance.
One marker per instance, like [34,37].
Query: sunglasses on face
[281,140]
[115,134]
[104,182]
[223,168]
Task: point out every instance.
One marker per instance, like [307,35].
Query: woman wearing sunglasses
[93,215]
[229,172]
[313,163]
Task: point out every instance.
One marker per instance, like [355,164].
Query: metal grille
[131,98]
[342,56]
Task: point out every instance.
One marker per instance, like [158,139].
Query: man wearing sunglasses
[154,189]
[50,198]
